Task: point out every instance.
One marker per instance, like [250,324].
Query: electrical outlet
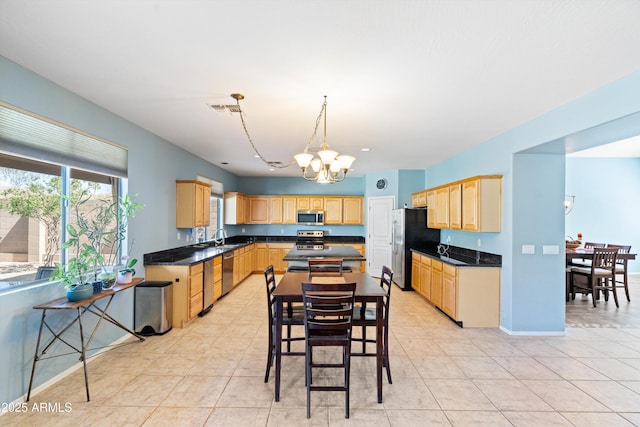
[528,249]
[479,242]
[282,231]
[178,235]
[243,229]
[448,239]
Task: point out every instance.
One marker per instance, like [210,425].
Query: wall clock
[381,184]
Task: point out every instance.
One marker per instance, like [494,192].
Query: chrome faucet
[224,236]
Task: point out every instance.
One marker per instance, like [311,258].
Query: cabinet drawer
[217,271]
[217,260]
[436,265]
[449,269]
[425,260]
[197,268]
[195,305]
[195,288]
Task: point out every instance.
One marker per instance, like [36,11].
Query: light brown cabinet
[419,199]
[314,203]
[217,278]
[455,206]
[469,295]
[481,204]
[186,289]
[472,204]
[333,210]
[352,210]
[289,210]
[259,208]
[192,204]
[236,208]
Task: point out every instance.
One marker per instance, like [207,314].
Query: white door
[379,234]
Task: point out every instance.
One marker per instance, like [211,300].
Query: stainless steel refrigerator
[409,231]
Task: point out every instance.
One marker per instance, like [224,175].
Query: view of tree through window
[31,214]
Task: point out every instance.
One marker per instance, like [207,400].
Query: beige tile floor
[211,373]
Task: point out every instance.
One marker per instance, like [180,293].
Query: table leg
[278,341]
[379,346]
[35,356]
[83,354]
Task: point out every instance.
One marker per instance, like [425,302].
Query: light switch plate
[550,249]
[528,249]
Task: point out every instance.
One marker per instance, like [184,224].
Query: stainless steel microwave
[310,217]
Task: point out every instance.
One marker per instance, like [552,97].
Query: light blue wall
[154,165]
[609,105]
[607,201]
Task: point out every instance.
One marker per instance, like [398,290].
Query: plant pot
[125,277]
[108,277]
[97,286]
[79,292]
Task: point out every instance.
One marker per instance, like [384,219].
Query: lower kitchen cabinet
[186,289]
[468,295]
[217,278]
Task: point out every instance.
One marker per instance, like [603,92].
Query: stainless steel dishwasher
[227,272]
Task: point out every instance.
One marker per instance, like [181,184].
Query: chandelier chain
[279,165]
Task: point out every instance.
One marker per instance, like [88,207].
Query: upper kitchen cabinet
[289,209]
[482,203]
[419,199]
[352,211]
[192,204]
[333,210]
[472,204]
[259,209]
[455,206]
[310,203]
[236,208]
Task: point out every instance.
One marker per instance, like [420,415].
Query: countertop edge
[456,262]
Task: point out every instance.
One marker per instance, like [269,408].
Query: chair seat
[596,271]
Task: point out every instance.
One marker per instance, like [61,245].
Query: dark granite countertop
[193,254]
[461,257]
[347,253]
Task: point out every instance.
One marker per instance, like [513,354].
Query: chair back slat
[604,258]
[592,245]
[328,308]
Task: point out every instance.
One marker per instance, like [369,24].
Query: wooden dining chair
[364,316]
[621,268]
[293,316]
[601,275]
[325,265]
[328,322]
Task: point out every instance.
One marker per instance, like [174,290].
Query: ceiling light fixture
[329,166]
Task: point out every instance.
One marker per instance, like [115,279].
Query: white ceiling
[415,81]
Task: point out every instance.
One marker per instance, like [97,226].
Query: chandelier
[329,166]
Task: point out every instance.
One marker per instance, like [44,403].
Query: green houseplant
[96,239]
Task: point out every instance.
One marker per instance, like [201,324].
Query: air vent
[220,108]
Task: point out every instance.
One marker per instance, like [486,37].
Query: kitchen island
[297,258]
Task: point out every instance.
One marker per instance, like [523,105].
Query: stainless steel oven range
[312,240]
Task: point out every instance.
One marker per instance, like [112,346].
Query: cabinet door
[449,293]
[419,199]
[455,206]
[196,280]
[262,256]
[352,210]
[217,277]
[275,210]
[425,276]
[333,212]
[317,203]
[436,283]
[416,282]
[191,210]
[432,209]
[289,209]
[470,195]
[259,210]
[442,207]
[303,203]
[275,258]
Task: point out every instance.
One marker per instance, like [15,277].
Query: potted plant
[97,237]
[76,274]
[125,275]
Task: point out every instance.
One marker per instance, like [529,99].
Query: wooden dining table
[582,253]
[368,290]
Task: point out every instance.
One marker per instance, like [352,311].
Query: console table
[84,306]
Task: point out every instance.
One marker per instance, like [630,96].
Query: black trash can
[153,308]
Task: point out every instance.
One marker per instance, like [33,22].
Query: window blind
[35,137]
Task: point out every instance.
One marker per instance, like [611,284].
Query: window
[39,161]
